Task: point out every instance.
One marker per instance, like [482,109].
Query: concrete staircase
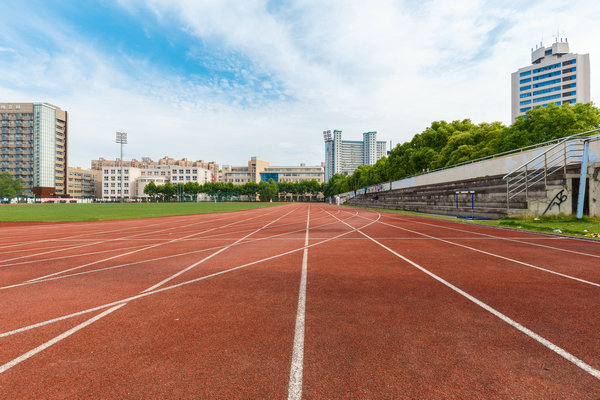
[489,198]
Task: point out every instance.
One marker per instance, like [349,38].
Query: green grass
[107,211]
[565,225]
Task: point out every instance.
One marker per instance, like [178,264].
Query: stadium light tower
[122,139]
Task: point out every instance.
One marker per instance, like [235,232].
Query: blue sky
[226,80]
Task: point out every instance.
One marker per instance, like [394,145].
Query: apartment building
[344,156]
[554,76]
[34,147]
[147,162]
[82,183]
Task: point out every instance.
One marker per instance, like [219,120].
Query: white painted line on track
[514,239]
[497,256]
[160,258]
[114,303]
[77,236]
[95,243]
[295,384]
[186,269]
[545,342]
[132,252]
[72,256]
[31,353]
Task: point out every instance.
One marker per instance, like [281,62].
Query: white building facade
[554,76]
[135,179]
[344,156]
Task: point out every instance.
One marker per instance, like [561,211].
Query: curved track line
[139,296]
[497,256]
[134,251]
[157,259]
[194,265]
[545,342]
[100,242]
[512,239]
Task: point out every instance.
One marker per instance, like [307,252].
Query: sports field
[108,211]
[296,301]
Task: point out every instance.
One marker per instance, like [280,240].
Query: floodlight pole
[122,139]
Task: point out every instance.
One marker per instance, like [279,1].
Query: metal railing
[567,151]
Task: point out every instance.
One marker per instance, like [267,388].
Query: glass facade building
[554,76]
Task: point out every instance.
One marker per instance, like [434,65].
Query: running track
[296,301]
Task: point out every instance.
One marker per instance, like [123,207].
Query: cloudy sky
[226,80]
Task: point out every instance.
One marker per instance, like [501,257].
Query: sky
[223,80]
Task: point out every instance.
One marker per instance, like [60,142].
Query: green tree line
[9,187]
[266,191]
[448,143]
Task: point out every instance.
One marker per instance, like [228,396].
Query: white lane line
[545,342]
[50,321]
[295,384]
[512,239]
[170,278]
[72,256]
[497,256]
[77,236]
[57,339]
[132,252]
[159,258]
[93,243]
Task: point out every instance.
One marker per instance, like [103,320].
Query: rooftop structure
[554,76]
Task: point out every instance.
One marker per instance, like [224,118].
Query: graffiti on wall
[557,200]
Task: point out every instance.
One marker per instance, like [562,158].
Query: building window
[525,73]
[525,80]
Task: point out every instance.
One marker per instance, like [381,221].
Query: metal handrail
[568,151]
[562,140]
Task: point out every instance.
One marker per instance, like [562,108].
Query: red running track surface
[212,306]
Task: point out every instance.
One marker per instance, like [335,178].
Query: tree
[9,187]
[541,124]
[268,190]
[151,189]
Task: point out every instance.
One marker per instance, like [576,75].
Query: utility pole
[122,139]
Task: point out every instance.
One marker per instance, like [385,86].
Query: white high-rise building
[344,156]
[554,76]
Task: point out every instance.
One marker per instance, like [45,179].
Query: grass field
[104,211]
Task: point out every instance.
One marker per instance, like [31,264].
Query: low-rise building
[147,162]
[294,173]
[119,183]
[84,183]
[260,170]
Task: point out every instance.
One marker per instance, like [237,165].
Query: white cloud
[388,66]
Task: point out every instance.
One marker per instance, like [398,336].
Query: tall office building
[34,147]
[554,76]
[344,156]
